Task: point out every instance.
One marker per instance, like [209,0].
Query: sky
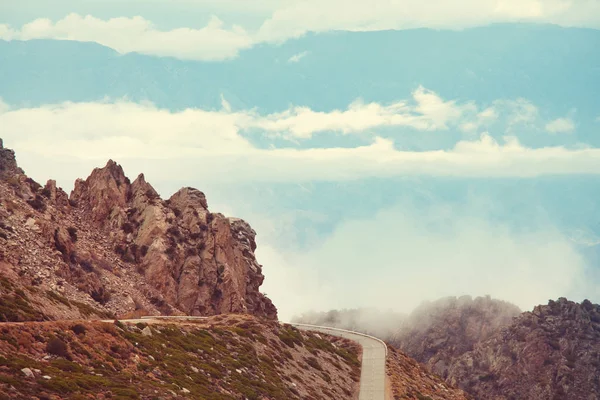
[441,176]
[215,30]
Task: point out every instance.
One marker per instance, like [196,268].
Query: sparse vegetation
[37,203]
[127,227]
[79,329]
[84,309]
[72,233]
[221,360]
[209,218]
[57,347]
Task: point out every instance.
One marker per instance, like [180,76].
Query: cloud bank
[292,18]
[195,142]
[405,255]
[214,41]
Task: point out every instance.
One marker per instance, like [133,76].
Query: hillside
[438,332]
[552,352]
[114,247]
[492,351]
[412,381]
[489,349]
[224,357]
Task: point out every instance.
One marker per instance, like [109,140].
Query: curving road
[372,377]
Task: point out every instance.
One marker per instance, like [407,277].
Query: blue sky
[380,164]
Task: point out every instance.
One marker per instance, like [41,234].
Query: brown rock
[104,195]
[8,163]
[118,246]
[436,333]
[55,194]
[550,353]
[411,380]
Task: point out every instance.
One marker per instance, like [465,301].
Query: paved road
[372,377]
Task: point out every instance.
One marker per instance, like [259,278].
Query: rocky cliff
[552,352]
[117,247]
[438,332]
[492,351]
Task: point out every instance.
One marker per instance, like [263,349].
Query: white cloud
[225,104]
[125,35]
[195,143]
[297,57]
[298,17]
[405,255]
[285,19]
[426,111]
[561,125]
[481,119]
[519,111]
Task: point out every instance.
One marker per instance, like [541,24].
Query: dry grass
[225,357]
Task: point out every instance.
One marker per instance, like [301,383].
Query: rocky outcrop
[119,243]
[491,351]
[202,263]
[8,163]
[552,352]
[437,333]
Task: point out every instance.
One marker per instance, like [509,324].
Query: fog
[405,255]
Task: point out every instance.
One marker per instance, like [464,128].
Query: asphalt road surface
[372,377]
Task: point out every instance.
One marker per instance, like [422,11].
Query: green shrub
[57,347]
[79,329]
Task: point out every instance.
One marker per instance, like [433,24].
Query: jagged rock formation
[122,245]
[8,162]
[436,333]
[491,351]
[552,352]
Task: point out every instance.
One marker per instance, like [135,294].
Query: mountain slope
[116,247]
[552,352]
[411,380]
[222,358]
[436,333]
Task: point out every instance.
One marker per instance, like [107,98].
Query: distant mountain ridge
[491,350]
[487,63]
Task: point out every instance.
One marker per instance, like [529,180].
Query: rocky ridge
[116,247]
[552,352]
[438,332]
